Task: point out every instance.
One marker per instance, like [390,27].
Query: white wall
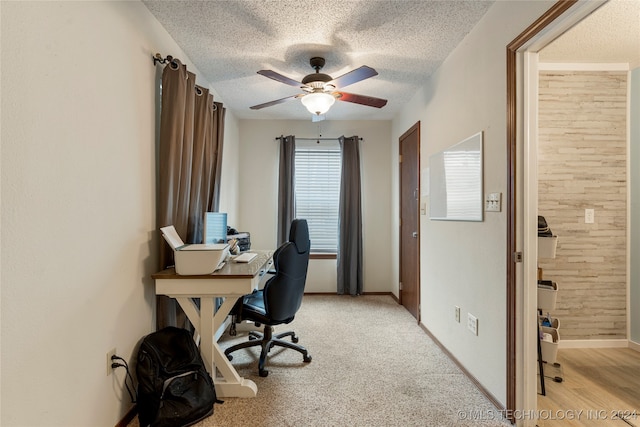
[464,263]
[259,157]
[79,238]
[230,191]
[78,199]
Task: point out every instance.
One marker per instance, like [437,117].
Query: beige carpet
[372,366]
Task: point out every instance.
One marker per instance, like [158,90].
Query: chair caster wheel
[263,372]
[307,358]
[294,339]
[229,357]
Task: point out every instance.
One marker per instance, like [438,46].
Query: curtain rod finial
[158,58]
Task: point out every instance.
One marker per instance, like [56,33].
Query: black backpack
[174,388]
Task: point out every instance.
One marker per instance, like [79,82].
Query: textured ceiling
[229,41]
[610,34]
[404,40]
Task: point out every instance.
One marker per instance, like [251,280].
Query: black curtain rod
[171,60]
[158,58]
[316,139]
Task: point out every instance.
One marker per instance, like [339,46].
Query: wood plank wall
[582,165]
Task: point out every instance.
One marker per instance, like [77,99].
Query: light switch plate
[493,202]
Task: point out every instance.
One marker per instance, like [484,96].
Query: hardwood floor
[599,387]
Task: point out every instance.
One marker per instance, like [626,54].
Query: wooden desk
[230,282]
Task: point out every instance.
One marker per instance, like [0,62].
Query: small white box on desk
[195,259]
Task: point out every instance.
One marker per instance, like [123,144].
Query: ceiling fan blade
[280,78]
[353,76]
[360,99]
[276,102]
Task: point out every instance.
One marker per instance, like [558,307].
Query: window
[317,192]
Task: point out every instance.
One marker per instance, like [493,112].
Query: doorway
[592,223]
[522,137]
[409,146]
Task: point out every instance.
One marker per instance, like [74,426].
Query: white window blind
[462,169]
[317,191]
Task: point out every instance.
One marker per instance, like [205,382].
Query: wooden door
[409,220]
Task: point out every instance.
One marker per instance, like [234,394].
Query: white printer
[195,259]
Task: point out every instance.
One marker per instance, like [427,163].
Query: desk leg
[206,333]
[230,384]
[191,310]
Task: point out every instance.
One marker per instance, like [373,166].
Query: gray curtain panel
[188,168]
[207,163]
[219,112]
[350,220]
[175,152]
[201,169]
[286,180]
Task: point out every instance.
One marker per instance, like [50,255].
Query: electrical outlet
[589,216]
[457,314]
[110,361]
[472,323]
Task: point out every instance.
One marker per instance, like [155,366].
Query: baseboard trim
[128,417]
[613,343]
[634,346]
[464,370]
[364,293]
[379,293]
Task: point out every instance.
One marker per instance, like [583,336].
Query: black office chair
[280,299]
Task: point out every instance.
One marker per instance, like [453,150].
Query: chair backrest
[283,292]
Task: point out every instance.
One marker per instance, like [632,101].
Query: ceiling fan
[321,90]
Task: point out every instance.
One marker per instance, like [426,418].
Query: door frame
[415,127]
[522,195]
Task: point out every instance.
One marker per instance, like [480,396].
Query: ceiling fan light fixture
[319,90]
[318,102]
